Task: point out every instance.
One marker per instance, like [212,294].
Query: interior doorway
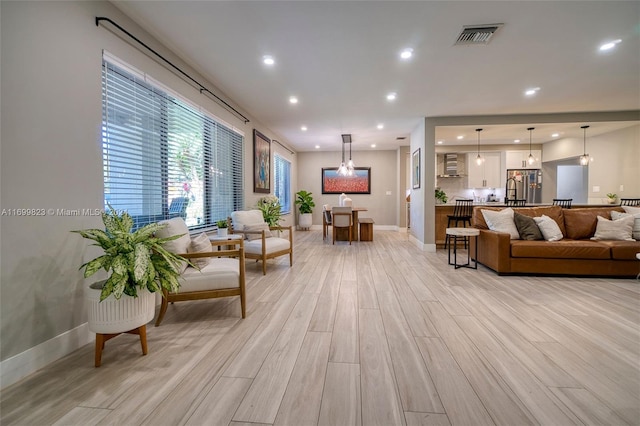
[572,182]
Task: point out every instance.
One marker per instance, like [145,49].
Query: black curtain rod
[278,142]
[200,86]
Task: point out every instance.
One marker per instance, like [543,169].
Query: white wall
[381,204]
[51,159]
[615,161]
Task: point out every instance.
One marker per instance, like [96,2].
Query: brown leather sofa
[576,254]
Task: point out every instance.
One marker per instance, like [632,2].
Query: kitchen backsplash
[455,188]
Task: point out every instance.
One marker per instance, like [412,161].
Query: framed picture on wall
[261,163]
[359,183]
[415,167]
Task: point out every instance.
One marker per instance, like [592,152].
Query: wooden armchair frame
[215,293]
[263,255]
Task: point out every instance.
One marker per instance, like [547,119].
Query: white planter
[117,316]
[305,220]
[222,232]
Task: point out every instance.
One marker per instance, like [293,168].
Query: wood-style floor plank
[370,333]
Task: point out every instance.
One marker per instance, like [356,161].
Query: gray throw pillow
[527,227]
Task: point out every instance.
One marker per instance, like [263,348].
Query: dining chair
[515,203]
[630,201]
[565,203]
[342,218]
[462,213]
[326,220]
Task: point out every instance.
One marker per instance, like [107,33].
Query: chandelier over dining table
[346,168]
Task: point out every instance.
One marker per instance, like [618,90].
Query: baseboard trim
[23,364]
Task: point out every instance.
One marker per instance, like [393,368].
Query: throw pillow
[527,227]
[501,221]
[635,232]
[176,226]
[619,230]
[200,244]
[261,227]
[549,228]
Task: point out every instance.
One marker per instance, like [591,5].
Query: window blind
[282,182]
[163,157]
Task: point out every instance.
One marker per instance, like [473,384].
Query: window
[163,157]
[282,182]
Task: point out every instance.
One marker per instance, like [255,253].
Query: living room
[52,159]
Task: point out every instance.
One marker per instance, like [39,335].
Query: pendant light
[479,159]
[346,169]
[531,159]
[584,158]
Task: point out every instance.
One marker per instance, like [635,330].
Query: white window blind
[282,182]
[163,158]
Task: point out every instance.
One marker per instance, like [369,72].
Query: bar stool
[461,214]
[515,203]
[565,203]
[630,201]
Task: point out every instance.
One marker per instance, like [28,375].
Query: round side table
[466,234]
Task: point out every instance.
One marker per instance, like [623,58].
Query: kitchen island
[442,210]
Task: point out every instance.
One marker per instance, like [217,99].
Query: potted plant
[222,227]
[137,265]
[441,196]
[270,207]
[611,198]
[305,204]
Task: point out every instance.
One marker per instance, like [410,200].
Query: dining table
[342,234]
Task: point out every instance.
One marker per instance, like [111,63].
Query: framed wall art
[359,183]
[261,163]
[415,165]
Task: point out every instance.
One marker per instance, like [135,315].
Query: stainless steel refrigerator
[524,184]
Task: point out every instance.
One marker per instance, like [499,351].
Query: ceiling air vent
[477,34]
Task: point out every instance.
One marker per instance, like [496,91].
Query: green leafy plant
[270,207]
[222,223]
[441,195]
[304,201]
[134,259]
[612,195]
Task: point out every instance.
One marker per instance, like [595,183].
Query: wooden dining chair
[326,220]
[342,218]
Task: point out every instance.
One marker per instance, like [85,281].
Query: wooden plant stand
[102,338]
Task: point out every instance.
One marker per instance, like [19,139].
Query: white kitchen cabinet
[487,175]
[520,159]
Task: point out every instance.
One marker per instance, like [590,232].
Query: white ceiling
[341,59]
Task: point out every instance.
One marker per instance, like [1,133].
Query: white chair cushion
[219,273]
[200,244]
[272,245]
[176,226]
[262,227]
[244,218]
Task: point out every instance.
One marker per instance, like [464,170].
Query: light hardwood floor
[376,333]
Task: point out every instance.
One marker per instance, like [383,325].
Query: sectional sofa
[575,254]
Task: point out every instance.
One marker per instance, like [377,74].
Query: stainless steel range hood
[450,166]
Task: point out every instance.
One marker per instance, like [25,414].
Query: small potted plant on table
[222,227]
[304,201]
[138,265]
[441,196]
[612,198]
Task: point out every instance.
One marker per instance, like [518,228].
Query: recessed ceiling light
[440,142]
[293,100]
[391,96]
[532,91]
[373,145]
[406,53]
[555,135]
[303,128]
[460,137]
[268,60]
[610,44]
[317,146]
[516,141]
[380,126]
